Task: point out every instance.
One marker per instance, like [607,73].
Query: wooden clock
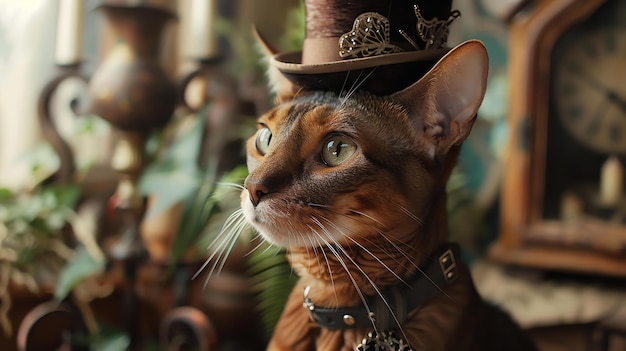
[563,200]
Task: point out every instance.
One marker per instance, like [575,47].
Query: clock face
[590,88]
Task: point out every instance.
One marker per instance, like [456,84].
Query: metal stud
[349,320]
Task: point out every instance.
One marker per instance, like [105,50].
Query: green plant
[34,247]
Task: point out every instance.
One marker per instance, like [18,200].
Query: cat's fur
[353,228]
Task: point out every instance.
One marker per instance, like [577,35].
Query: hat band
[320,50]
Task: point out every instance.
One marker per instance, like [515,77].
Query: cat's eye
[263,139]
[337,148]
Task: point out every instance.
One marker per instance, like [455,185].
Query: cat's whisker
[394,245]
[223,244]
[320,245]
[369,252]
[343,86]
[356,86]
[315,245]
[223,251]
[304,238]
[230,185]
[351,89]
[336,248]
[368,217]
[258,246]
[410,214]
[329,209]
[343,264]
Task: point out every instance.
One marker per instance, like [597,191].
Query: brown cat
[354,186]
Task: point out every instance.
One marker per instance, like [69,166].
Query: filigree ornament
[369,37]
[383,341]
[434,32]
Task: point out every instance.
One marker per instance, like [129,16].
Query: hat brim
[291,62]
[380,75]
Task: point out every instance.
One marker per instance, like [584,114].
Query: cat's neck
[375,263]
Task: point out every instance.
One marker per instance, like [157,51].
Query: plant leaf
[176,175]
[81,266]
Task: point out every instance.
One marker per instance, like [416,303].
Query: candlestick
[203,39]
[69,30]
[611,182]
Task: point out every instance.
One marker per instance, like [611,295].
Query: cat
[353,185]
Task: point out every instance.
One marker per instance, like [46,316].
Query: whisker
[342,263]
[230,185]
[410,214]
[329,209]
[345,81]
[258,246]
[353,90]
[224,242]
[370,253]
[330,271]
[376,288]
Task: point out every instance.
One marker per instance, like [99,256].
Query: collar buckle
[308,303]
[447,263]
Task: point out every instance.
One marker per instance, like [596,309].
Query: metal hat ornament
[383,46]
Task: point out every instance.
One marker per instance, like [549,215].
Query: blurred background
[121,143]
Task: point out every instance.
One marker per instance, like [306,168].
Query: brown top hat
[377,45]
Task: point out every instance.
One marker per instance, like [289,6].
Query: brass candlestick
[131,90]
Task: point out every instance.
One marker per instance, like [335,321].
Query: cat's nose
[256,191]
[259,186]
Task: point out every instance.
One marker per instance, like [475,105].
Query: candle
[203,39]
[69,30]
[611,182]
[571,207]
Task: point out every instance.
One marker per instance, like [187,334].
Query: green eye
[337,148]
[263,139]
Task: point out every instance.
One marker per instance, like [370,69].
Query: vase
[130,89]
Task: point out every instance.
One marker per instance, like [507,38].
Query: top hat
[380,45]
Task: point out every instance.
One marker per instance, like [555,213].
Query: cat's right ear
[442,105]
[282,87]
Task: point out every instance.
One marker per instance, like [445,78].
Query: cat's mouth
[293,224]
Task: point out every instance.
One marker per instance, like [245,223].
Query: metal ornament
[383,341]
[434,32]
[369,37]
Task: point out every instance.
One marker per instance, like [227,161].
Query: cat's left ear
[443,103]
[283,89]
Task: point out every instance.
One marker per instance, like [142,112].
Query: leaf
[273,280]
[168,185]
[175,176]
[81,266]
[6,194]
[114,342]
[66,195]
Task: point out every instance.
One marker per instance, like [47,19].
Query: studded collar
[438,273]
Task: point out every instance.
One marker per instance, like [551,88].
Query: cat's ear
[443,103]
[282,87]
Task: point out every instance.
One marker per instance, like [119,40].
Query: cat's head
[328,169]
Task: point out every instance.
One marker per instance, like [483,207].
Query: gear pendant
[385,341]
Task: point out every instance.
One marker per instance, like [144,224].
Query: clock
[563,205]
[589,91]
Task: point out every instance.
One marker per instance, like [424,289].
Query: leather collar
[436,275]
